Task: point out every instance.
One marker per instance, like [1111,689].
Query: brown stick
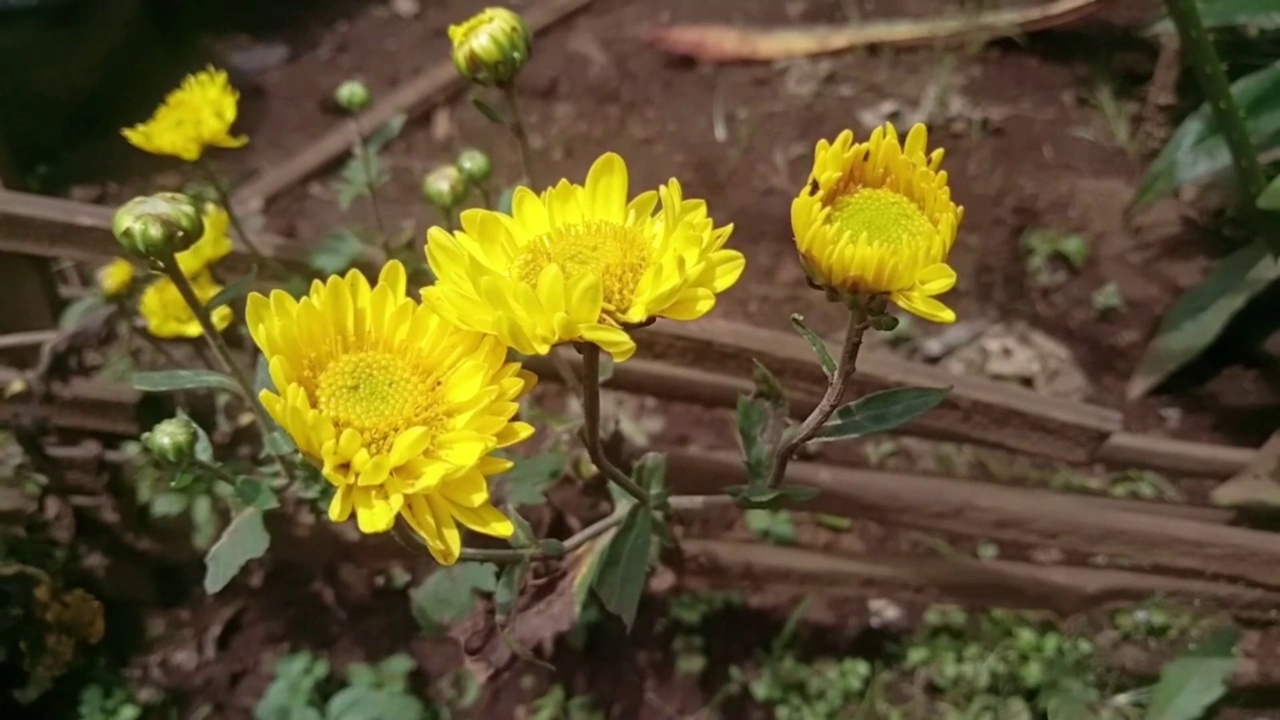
[1011,514]
[431,87]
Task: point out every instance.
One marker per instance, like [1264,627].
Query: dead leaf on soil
[715,42]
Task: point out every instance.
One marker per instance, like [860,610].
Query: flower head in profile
[876,217]
[398,407]
[167,315]
[115,278]
[195,117]
[581,263]
[490,47]
[213,245]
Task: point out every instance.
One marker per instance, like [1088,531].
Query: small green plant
[112,701]
[381,691]
[775,526]
[796,689]
[1046,250]
[687,613]
[1154,621]
[558,704]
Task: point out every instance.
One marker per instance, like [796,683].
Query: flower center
[377,393]
[885,217]
[617,254]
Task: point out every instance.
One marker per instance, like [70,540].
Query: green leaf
[1197,152]
[1189,685]
[752,416]
[338,252]
[1070,700]
[171,380]
[819,347]
[529,479]
[650,472]
[880,412]
[233,292]
[1270,197]
[245,539]
[390,130]
[168,504]
[204,522]
[78,310]
[770,498]
[775,526]
[490,112]
[1200,315]
[508,589]
[619,581]
[447,594]
[1248,14]
[256,493]
[364,703]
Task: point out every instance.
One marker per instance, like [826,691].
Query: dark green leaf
[78,310]
[171,380]
[508,590]
[233,292]
[1189,685]
[244,539]
[819,347]
[448,594]
[1246,14]
[529,480]
[752,416]
[880,412]
[1270,197]
[338,252]
[390,130]
[488,111]
[620,579]
[1197,152]
[1200,315]
[256,493]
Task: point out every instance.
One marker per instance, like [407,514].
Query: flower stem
[516,123]
[224,198]
[485,198]
[1217,92]
[373,186]
[845,367]
[169,266]
[591,425]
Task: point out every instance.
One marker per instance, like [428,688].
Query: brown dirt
[1026,147]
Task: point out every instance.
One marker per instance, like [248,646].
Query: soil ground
[1028,147]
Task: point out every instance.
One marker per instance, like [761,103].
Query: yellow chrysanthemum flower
[115,278]
[399,408]
[213,245]
[195,117]
[166,314]
[877,217]
[581,263]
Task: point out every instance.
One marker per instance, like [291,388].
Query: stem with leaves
[363,148]
[169,266]
[859,323]
[1213,82]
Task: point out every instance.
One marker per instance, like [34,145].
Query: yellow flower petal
[196,116]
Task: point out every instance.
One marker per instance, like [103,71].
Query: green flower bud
[156,226]
[444,187]
[886,323]
[490,47]
[172,440]
[474,165]
[352,96]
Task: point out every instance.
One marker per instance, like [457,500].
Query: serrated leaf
[245,539]
[529,479]
[338,252]
[619,582]
[751,417]
[1200,315]
[490,112]
[880,412]
[255,493]
[1197,151]
[1191,684]
[233,292]
[388,131]
[827,362]
[1270,197]
[448,594]
[172,380]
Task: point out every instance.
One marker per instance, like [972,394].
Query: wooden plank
[431,87]
[26,339]
[1012,514]
[1172,455]
[81,404]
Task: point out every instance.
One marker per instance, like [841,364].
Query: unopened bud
[352,96]
[474,165]
[444,187]
[156,226]
[490,47]
[885,323]
[172,440]
[115,278]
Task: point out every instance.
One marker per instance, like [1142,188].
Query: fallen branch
[721,43]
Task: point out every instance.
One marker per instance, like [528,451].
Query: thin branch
[591,425]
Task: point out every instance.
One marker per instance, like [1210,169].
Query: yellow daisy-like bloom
[166,314]
[195,117]
[115,278]
[398,407]
[212,246]
[581,263]
[877,217]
